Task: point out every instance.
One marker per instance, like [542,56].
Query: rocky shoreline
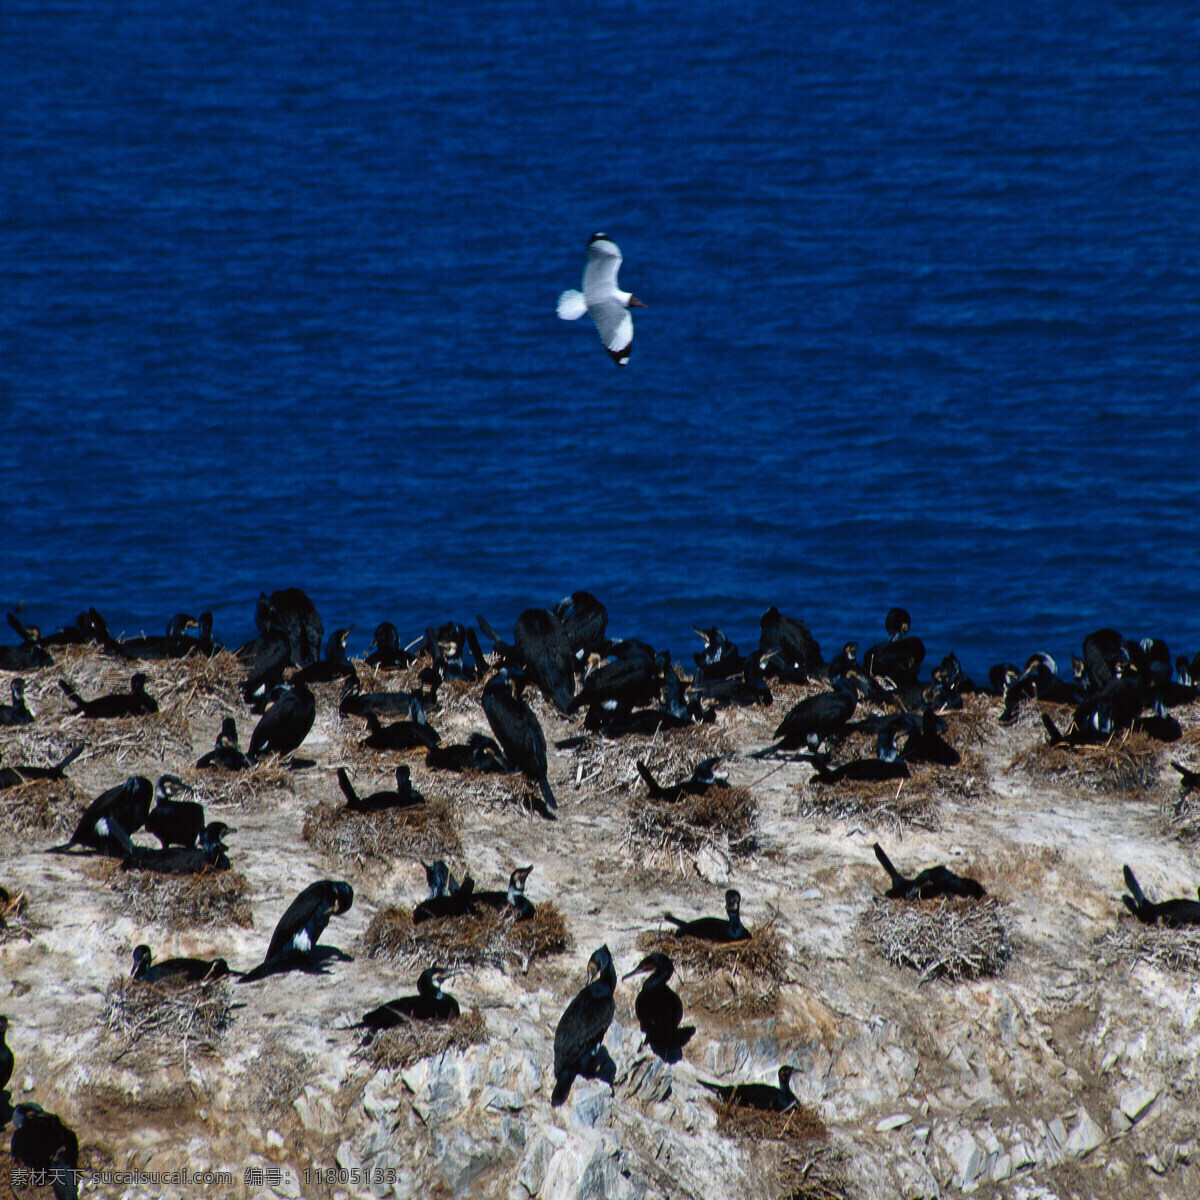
[1072,1072]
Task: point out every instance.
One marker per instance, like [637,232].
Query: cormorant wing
[303,922]
[582,1026]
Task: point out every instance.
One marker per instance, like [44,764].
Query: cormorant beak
[643,968]
[634,302]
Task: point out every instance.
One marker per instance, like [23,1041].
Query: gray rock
[1085,1137]
[590,1102]
[965,1160]
[540,1150]
[1135,1102]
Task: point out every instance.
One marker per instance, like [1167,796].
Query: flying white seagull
[600,296]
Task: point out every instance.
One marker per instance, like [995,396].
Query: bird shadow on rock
[599,1066]
[672,1051]
[316,962]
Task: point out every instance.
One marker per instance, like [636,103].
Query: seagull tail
[571,305]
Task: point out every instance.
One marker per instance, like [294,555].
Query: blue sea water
[277,289]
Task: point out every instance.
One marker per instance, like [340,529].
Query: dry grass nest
[208,898]
[603,765]
[489,939]
[477,790]
[241,789]
[799,1124]
[722,820]
[1181,815]
[42,808]
[974,725]
[894,804]
[942,939]
[813,1173]
[187,1014]
[1124,764]
[14,915]
[396,1049]
[741,978]
[427,832]
[1167,949]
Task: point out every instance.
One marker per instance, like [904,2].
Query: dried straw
[426,832]
[1124,764]
[209,898]
[813,1173]
[489,939]
[14,916]
[894,804]
[43,808]
[741,978]
[1167,949]
[186,1014]
[947,939]
[1181,815]
[799,1124]
[396,1049]
[722,821]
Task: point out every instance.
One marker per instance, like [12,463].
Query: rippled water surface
[924,315]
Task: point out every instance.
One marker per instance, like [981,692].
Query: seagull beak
[634,302]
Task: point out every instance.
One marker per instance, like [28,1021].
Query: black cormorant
[174,822]
[6,1056]
[584,620]
[630,673]
[899,658]
[786,647]
[1172,913]
[658,1007]
[295,937]
[549,660]
[109,821]
[414,734]
[927,745]
[762,1096]
[452,903]
[405,795]
[385,650]
[209,855]
[518,732]
[713,929]
[1189,780]
[176,643]
[815,718]
[514,898]
[477,753]
[42,1142]
[176,970]
[16,713]
[701,779]
[357,703]
[24,773]
[225,755]
[931,882]
[429,1004]
[290,714]
[335,664]
[581,1029]
[133,703]
[30,655]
